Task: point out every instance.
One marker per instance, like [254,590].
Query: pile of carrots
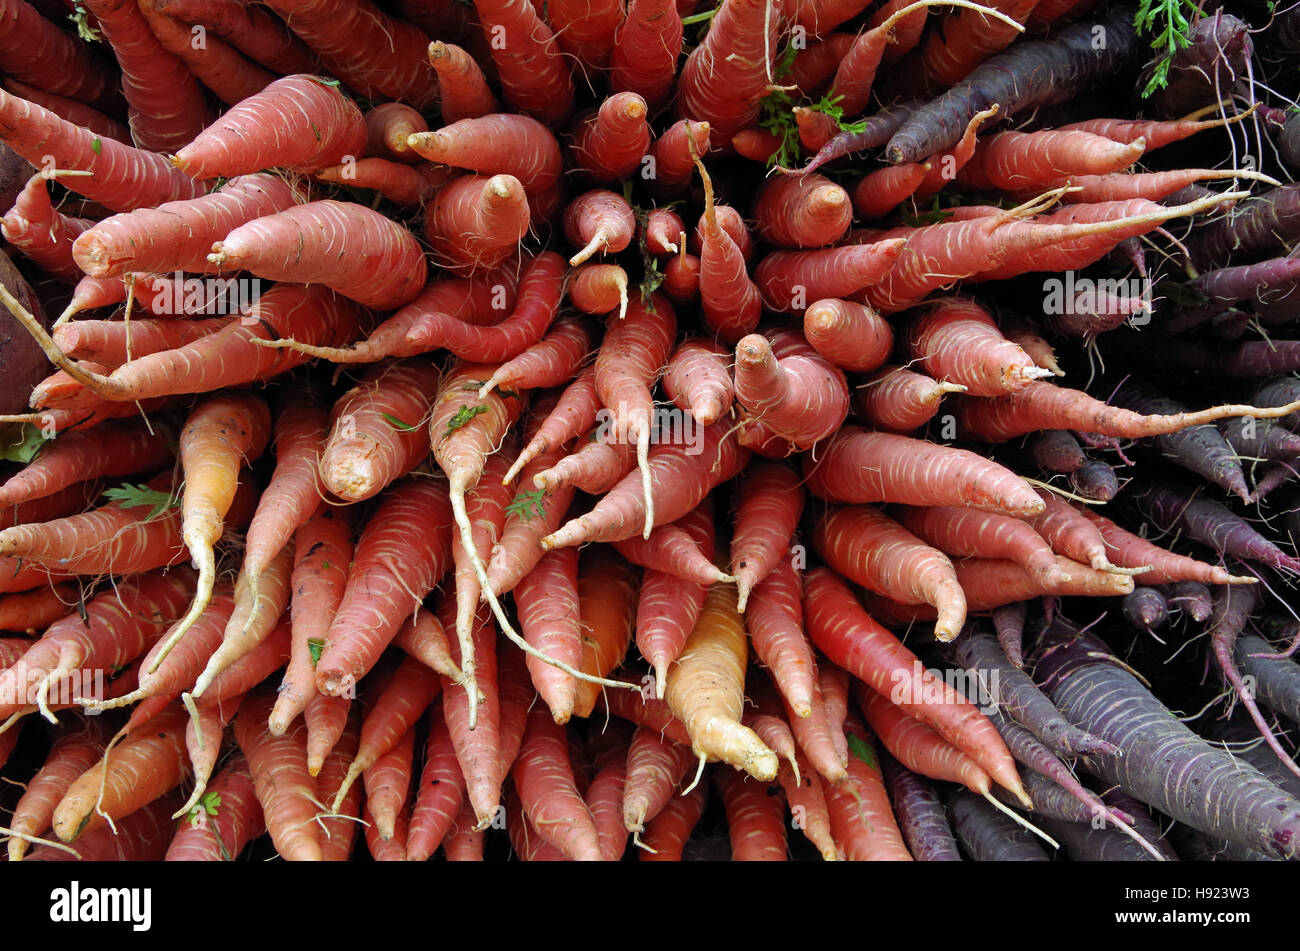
[630,429]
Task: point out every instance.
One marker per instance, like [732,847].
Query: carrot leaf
[97,146]
[462,418]
[527,505]
[80,19]
[133,496]
[25,446]
[207,805]
[398,424]
[859,748]
[1167,21]
[315,645]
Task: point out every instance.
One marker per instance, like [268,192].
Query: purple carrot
[1252,438]
[1276,679]
[1280,392]
[1175,511]
[1274,477]
[1213,65]
[1014,692]
[1022,78]
[920,813]
[1191,597]
[1249,359]
[1056,450]
[1263,224]
[1145,608]
[1163,763]
[877,132]
[1199,449]
[1096,480]
[1009,625]
[988,835]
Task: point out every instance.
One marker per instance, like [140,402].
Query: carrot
[851,639]
[423,637]
[551,361]
[402,554]
[921,816]
[661,229]
[876,552]
[325,719]
[599,289]
[65,68]
[464,91]
[775,625]
[958,340]
[535,78]
[728,74]
[74,751]
[279,246]
[674,154]
[140,837]
[608,146]
[595,468]
[755,818]
[404,699]
[917,746]
[530,516]
[141,769]
[791,280]
[216,64]
[1046,406]
[389,125]
[43,234]
[226,358]
[275,129]
[322,548]
[72,110]
[497,144]
[220,435]
[792,397]
[673,549]
[111,343]
[119,626]
[387,786]
[182,665]
[543,776]
[440,792]
[655,767]
[767,513]
[643,59]
[477,222]
[962,532]
[124,178]
[915,472]
[809,211]
[668,832]
[881,191]
[685,477]
[222,826]
[110,449]
[374,54]
[697,379]
[607,594]
[283,785]
[598,222]
[946,166]
[32,612]
[177,236]
[863,825]
[257,33]
[705,689]
[731,301]
[546,599]
[1212,524]
[586,30]
[464,843]
[166,103]
[376,435]
[1161,566]
[898,399]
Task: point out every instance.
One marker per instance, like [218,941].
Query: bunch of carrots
[631,428]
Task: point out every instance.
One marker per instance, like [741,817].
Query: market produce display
[649,430]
